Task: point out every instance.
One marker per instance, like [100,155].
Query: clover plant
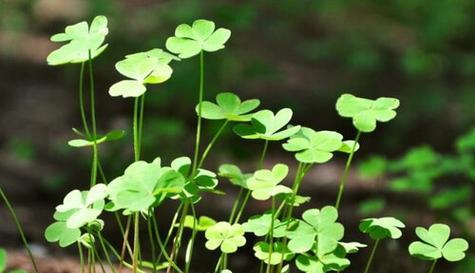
[281,241]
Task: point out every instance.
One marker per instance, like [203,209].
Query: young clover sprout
[84,42]
[3,263]
[150,67]
[378,229]
[436,244]
[364,113]
[200,36]
[264,184]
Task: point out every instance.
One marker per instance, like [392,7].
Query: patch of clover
[84,42]
[202,35]
[435,244]
[229,107]
[365,113]
[228,238]
[267,126]
[150,67]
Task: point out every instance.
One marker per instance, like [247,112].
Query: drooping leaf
[380,228]
[365,112]
[203,223]
[234,174]
[61,233]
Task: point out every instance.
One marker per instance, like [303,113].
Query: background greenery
[299,54]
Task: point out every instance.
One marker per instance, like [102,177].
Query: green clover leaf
[260,225]
[225,236]
[111,136]
[83,41]
[380,228]
[347,146]
[320,225]
[334,261]
[352,247]
[265,125]
[436,244]
[150,67]
[229,107]
[144,185]
[3,263]
[279,252]
[61,233]
[264,183]
[365,112]
[312,146]
[202,224]
[83,206]
[191,40]
[234,175]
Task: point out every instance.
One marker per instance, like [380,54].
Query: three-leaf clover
[319,225]
[366,112]
[200,224]
[279,252]
[265,125]
[436,244]
[150,67]
[59,232]
[312,146]
[83,207]
[228,106]
[143,185]
[225,236]
[260,225]
[201,35]
[380,228]
[265,183]
[3,263]
[234,174]
[84,41]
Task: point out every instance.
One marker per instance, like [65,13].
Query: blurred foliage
[445,183]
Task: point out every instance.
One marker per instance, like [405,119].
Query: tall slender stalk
[211,143]
[95,152]
[344,177]
[81,258]
[192,240]
[271,235]
[431,270]
[19,228]
[200,100]
[371,256]
[81,100]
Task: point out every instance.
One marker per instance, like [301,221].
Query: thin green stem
[344,177]
[178,237]
[92,98]
[218,263]
[135,129]
[19,228]
[152,241]
[271,235]
[189,253]
[235,205]
[81,257]
[106,253]
[172,226]
[81,100]
[212,142]
[136,242]
[431,270]
[198,127]
[141,114]
[371,256]
[263,155]
[163,248]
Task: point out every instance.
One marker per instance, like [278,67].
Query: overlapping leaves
[150,67]
[267,126]
[435,244]
[366,112]
[84,41]
[200,36]
[228,106]
[234,175]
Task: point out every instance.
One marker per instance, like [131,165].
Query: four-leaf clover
[265,125]
[229,107]
[312,146]
[365,112]
[191,40]
[436,244]
[380,228]
[264,183]
[225,236]
[151,67]
[84,42]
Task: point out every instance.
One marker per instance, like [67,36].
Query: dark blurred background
[298,54]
